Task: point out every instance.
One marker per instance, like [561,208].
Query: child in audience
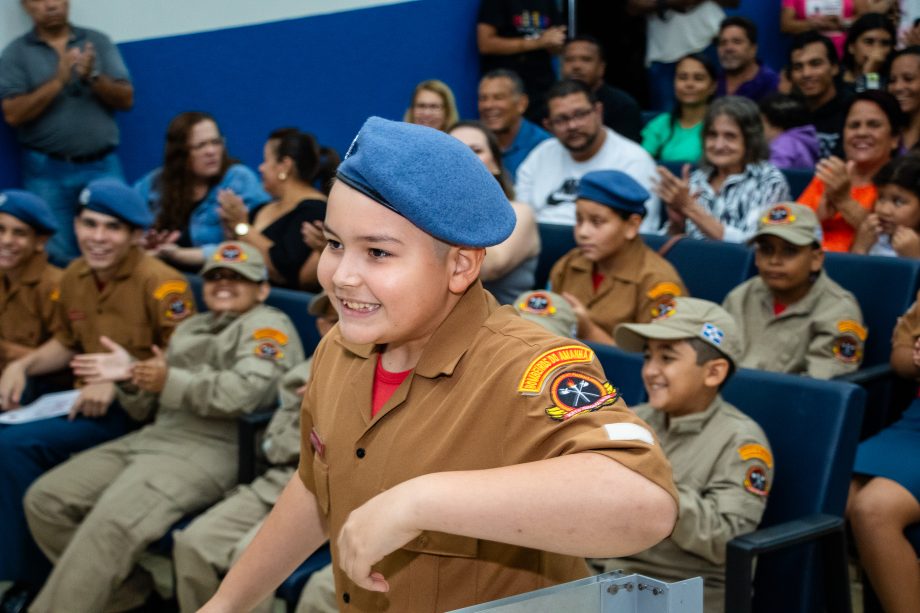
[893,227]
[612,277]
[722,462]
[793,317]
[793,141]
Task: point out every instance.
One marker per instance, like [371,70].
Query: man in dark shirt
[583,59]
[741,74]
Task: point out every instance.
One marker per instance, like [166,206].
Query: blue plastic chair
[555,241]
[294,304]
[813,428]
[711,269]
[623,370]
[798,179]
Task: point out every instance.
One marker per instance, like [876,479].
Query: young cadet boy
[453,452]
[722,463]
[112,291]
[204,551]
[29,283]
[793,317]
[612,277]
[96,513]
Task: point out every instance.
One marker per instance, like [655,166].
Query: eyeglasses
[422,106]
[223,274]
[217,142]
[561,121]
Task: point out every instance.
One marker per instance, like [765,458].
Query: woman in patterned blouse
[726,195]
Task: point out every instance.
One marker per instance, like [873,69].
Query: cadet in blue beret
[612,277]
[113,197]
[442,438]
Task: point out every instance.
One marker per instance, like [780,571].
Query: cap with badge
[548,309]
[791,222]
[115,198]
[614,189]
[431,179]
[686,318]
[241,258]
[28,208]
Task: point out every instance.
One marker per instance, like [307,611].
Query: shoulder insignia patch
[755,481]
[754,451]
[170,287]
[178,307]
[539,370]
[538,303]
[573,393]
[55,294]
[268,350]
[848,326]
[664,290]
[270,333]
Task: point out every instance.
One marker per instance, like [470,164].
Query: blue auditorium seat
[555,241]
[711,269]
[798,179]
[623,370]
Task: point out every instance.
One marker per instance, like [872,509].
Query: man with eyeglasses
[548,178]
[60,86]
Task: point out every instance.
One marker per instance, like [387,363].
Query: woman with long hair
[433,105]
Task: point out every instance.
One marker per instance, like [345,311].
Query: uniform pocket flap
[441,544]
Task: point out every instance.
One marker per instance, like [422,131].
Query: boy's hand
[377,528]
[12,382]
[905,242]
[114,365]
[94,400]
[150,375]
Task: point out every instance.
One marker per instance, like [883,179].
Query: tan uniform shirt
[27,306]
[908,327]
[723,469]
[491,389]
[822,335]
[640,286]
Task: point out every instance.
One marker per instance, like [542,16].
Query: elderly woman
[724,198]
[432,105]
[186,192]
[293,162]
[510,266]
[842,193]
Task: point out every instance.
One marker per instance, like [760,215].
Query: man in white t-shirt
[548,178]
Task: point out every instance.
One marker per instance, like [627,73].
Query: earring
[282,176]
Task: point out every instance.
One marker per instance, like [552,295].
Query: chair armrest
[248,427]
[867,375]
[787,534]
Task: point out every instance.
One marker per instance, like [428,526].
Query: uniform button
[360,453]
[346,597]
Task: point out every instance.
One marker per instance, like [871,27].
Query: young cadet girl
[893,227]
[793,317]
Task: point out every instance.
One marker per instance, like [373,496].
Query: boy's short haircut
[800,41]
[784,111]
[706,352]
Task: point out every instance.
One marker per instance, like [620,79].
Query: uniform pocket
[441,544]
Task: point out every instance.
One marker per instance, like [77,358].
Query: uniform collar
[451,340]
[32,271]
[626,264]
[124,270]
[695,422]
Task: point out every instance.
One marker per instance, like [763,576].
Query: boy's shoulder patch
[268,350]
[664,290]
[756,481]
[756,451]
[271,334]
[169,287]
[850,326]
[541,367]
[574,392]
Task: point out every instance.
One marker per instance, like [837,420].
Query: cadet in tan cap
[612,277]
[95,514]
[793,317]
[205,550]
[454,452]
[722,462]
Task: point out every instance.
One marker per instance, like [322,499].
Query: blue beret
[28,208]
[113,197]
[614,189]
[431,179]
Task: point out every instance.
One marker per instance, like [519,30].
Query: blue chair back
[294,304]
[798,179]
[711,269]
[196,283]
[555,241]
[884,287]
[813,429]
[623,370]
[655,241]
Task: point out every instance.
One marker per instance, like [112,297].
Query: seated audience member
[548,309]
[893,226]
[885,491]
[502,103]
[842,193]
[813,69]
[904,85]
[548,179]
[583,58]
[186,193]
[432,105]
[612,277]
[292,162]
[113,293]
[29,283]
[799,16]
[870,41]
[793,317]
[510,266]
[793,141]
[677,136]
[220,364]
[205,550]
[742,73]
[722,462]
[727,194]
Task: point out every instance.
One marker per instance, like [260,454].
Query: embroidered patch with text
[539,370]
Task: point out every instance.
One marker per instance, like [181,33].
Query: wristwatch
[241,229]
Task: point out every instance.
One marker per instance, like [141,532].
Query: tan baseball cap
[792,222]
[241,258]
[686,318]
[548,309]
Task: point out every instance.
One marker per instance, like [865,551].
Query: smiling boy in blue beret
[453,452]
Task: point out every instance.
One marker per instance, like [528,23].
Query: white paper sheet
[46,407]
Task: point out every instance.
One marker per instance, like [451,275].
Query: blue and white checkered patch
[713,334]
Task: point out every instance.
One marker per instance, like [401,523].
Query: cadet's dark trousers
[27,451]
